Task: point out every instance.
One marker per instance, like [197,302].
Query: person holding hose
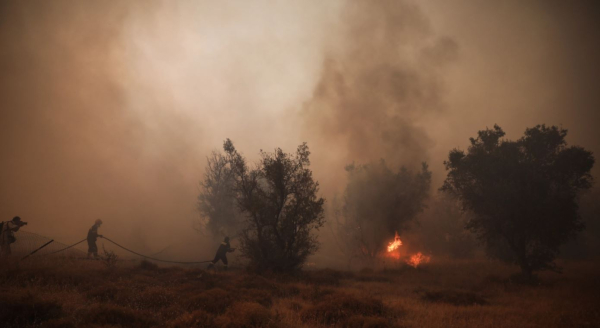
[221,255]
[7,234]
[91,239]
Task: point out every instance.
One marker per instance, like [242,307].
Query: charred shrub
[21,310]
[337,308]
[453,297]
[214,301]
[106,314]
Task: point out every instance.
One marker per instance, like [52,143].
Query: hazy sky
[108,109]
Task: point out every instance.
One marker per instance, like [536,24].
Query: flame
[417,259]
[414,260]
[395,244]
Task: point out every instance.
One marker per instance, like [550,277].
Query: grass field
[76,293]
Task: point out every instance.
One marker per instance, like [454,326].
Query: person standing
[91,239]
[7,234]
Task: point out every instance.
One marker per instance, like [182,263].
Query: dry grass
[70,293]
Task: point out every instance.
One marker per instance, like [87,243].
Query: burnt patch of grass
[336,309]
[454,297]
[108,314]
[21,310]
[214,301]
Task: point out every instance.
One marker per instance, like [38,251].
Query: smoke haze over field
[108,110]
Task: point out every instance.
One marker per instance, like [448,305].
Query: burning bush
[377,203]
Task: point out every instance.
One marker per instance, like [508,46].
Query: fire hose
[123,247]
[152,258]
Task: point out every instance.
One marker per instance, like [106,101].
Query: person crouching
[221,255]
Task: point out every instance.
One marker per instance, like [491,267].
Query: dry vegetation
[69,293]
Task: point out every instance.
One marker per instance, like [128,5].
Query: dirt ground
[78,293]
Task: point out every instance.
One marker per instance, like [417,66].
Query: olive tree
[523,194]
[282,209]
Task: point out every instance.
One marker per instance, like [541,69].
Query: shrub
[337,308]
[58,323]
[147,265]
[104,293]
[198,318]
[316,293]
[359,321]
[323,277]
[21,310]
[249,314]
[106,314]
[214,301]
[109,259]
[261,297]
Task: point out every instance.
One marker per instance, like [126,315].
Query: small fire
[395,244]
[417,259]
[414,260]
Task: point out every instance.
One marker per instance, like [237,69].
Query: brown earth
[76,293]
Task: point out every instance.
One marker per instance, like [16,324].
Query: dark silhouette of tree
[377,203]
[523,194]
[441,228]
[279,199]
[217,205]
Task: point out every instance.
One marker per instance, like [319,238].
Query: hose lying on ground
[155,259]
[125,248]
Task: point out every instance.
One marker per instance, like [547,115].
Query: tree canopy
[523,194]
[282,209]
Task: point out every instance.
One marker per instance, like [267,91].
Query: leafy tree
[523,194]
[279,199]
[377,203]
[216,202]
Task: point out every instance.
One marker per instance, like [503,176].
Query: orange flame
[395,244]
[417,259]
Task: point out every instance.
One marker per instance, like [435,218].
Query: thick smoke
[380,82]
[108,110]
